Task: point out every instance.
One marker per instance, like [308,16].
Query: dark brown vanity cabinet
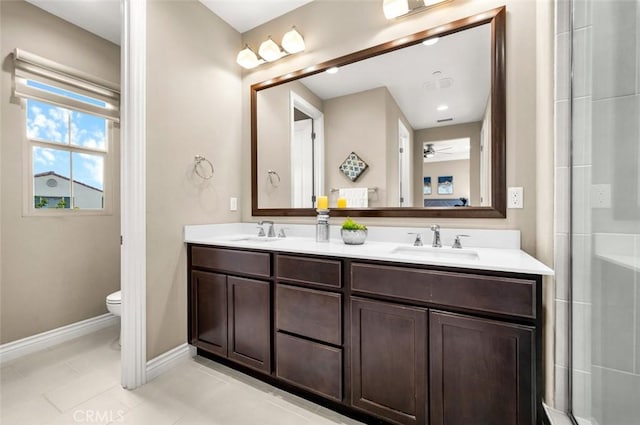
[405,344]
[308,323]
[389,360]
[482,371]
[230,316]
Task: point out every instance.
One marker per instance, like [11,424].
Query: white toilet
[114,302]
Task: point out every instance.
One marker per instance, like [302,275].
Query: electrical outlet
[601,196]
[233,204]
[515,197]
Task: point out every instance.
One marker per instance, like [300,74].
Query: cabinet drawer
[309,270]
[309,312]
[510,296]
[232,261]
[313,366]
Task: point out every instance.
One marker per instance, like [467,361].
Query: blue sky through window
[66,93]
[52,123]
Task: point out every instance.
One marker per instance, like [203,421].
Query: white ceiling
[100,17]
[244,15]
[463,60]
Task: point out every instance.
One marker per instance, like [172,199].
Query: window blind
[31,67]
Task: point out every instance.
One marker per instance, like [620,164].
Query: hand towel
[357,197]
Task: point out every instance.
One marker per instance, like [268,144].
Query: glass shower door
[605,217]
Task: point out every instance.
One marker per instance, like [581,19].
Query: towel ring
[271,174]
[198,160]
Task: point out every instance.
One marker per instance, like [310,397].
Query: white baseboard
[165,361]
[22,347]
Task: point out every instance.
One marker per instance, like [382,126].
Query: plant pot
[353,237]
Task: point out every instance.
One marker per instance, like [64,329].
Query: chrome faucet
[418,241]
[456,242]
[271,233]
[436,236]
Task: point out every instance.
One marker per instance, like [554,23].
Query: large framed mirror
[411,128]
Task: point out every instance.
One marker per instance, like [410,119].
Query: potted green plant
[353,233]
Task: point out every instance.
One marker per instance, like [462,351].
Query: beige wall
[274,125]
[356,123]
[332,29]
[470,130]
[459,170]
[193,107]
[55,270]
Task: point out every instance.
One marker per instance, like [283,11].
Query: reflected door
[302,164]
[404,166]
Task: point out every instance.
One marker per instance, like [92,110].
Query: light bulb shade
[394,8]
[429,3]
[293,42]
[270,51]
[247,58]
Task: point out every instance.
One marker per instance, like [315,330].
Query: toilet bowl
[114,303]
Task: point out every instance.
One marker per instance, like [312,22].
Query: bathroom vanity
[395,335]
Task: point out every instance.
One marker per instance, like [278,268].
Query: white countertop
[496,250]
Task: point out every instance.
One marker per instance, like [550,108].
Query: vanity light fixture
[396,8]
[293,42]
[270,51]
[247,58]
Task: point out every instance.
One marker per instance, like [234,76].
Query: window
[68,126]
[68,154]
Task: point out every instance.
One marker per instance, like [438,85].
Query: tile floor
[78,383]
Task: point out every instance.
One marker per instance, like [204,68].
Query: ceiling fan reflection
[429,151]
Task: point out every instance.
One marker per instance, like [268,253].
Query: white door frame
[405,169]
[298,102]
[133,194]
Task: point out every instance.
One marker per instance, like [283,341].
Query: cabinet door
[389,360]
[209,311]
[249,323]
[482,371]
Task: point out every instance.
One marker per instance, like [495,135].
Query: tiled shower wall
[606,208]
[562,158]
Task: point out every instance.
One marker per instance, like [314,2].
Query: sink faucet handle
[418,241]
[271,232]
[261,231]
[435,227]
[456,242]
[282,233]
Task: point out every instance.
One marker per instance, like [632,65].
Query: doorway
[307,152]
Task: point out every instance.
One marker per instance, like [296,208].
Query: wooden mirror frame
[496,18]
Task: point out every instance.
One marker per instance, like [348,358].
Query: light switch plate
[515,197]
[233,204]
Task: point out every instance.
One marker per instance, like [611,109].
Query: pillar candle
[342,202]
[323,203]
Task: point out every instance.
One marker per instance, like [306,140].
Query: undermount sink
[247,238]
[437,253]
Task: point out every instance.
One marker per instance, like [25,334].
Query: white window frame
[28,208]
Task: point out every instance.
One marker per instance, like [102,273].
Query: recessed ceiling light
[332,70]
[442,108]
[431,41]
